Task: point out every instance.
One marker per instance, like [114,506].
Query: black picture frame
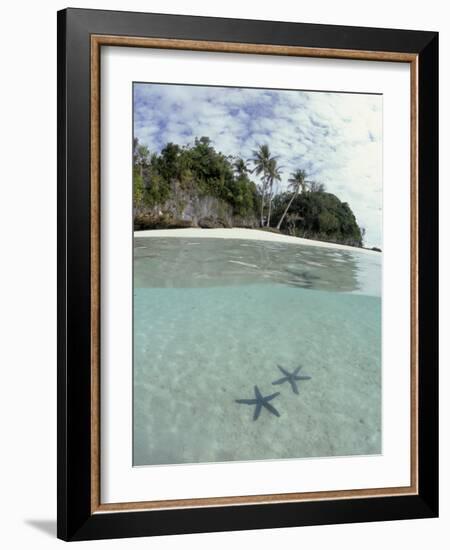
[76,521]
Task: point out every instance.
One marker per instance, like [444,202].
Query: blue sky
[335,137]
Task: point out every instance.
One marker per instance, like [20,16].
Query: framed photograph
[247,255]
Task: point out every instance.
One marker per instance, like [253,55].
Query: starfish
[291,377]
[260,401]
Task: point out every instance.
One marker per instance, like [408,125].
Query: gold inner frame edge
[97,41]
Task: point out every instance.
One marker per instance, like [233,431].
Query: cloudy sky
[335,137]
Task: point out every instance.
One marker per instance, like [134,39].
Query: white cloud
[336,137]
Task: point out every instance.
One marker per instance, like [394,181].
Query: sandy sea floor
[213,318]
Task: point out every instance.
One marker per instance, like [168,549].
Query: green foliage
[261,158]
[244,196]
[297,181]
[318,215]
[211,170]
[138,188]
[265,165]
[200,170]
[169,164]
[240,166]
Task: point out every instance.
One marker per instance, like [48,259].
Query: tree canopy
[198,168]
[318,215]
[307,210]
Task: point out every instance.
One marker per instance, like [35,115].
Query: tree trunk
[286,210]
[270,204]
[262,208]
[263,194]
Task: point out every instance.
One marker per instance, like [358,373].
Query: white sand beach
[248,234]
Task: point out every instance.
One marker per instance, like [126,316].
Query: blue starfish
[260,401]
[291,377]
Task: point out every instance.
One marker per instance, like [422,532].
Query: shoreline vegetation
[195,186]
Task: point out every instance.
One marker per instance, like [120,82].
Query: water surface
[214,317]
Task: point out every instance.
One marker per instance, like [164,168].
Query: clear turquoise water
[214,317]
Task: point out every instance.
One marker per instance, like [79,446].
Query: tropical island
[197,186]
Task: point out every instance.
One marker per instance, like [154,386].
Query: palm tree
[297,184]
[261,159]
[241,166]
[273,174]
